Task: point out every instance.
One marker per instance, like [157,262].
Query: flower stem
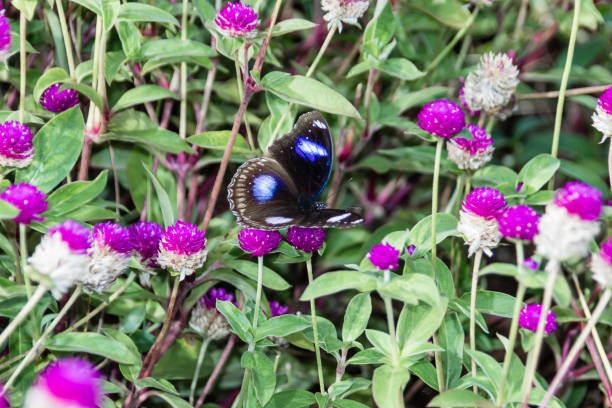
[477,259]
[22,65]
[315,331]
[518,303]
[196,374]
[66,34]
[23,257]
[434,204]
[564,78]
[391,322]
[38,346]
[571,92]
[577,347]
[29,306]
[217,370]
[553,269]
[259,288]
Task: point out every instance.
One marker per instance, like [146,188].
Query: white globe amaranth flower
[479,232]
[471,153]
[344,11]
[492,84]
[206,319]
[602,117]
[602,271]
[182,249]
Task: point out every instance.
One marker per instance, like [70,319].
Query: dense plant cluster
[469,149]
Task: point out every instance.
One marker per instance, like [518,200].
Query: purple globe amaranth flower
[530,314]
[258,242]
[145,237]
[5,36]
[306,239]
[109,255]
[28,199]
[518,221]
[485,202]
[69,382]
[73,234]
[55,100]
[602,117]
[384,256]
[605,101]
[3,399]
[16,148]
[182,249]
[210,299]
[276,309]
[601,265]
[237,20]
[471,153]
[580,199]
[206,320]
[531,264]
[441,118]
[411,248]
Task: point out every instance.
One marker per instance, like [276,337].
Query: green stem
[454,41]
[477,259]
[66,35]
[518,303]
[564,79]
[196,374]
[391,322]
[23,256]
[553,268]
[39,345]
[183,107]
[434,204]
[22,65]
[29,306]
[259,290]
[315,331]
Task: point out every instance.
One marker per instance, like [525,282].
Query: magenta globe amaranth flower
[441,118]
[411,248]
[384,256]
[3,399]
[109,255]
[471,153]
[55,100]
[258,242]
[5,36]
[16,148]
[70,382]
[530,314]
[237,20]
[306,239]
[477,219]
[206,319]
[276,309]
[182,249]
[145,246]
[602,117]
[531,264]
[28,199]
[569,222]
[601,265]
[518,221]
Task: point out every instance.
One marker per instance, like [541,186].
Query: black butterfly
[281,189]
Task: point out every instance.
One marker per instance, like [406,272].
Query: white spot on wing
[319,124]
[264,187]
[338,218]
[278,220]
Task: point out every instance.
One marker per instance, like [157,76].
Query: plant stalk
[315,331]
[29,306]
[196,374]
[22,65]
[476,269]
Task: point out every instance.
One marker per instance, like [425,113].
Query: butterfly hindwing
[306,154]
[331,218]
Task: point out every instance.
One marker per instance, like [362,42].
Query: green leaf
[308,92]
[410,289]
[367,356]
[344,403]
[449,12]
[491,368]
[27,6]
[536,172]
[57,147]
[262,371]
[495,175]
[451,338]
[85,90]
[356,317]
[173,48]
[129,36]
[110,11]
[417,323]
[51,77]
[93,343]
[381,341]
[173,400]
[388,385]
[142,94]
[459,399]
[290,25]
[145,13]
[401,68]
[167,208]
[74,195]
[333,282]
[420,235]
[379,31]
[490,302]
[271,279]
[281,326]
[291,398]
[8,211]
[217,140]
[236,319]
[150,382]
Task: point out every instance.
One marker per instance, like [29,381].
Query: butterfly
[281,189]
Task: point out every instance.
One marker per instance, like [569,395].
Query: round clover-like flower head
[441,118]
[306,239]
[531,264]
[601,265]
[16,148]
[384,256]
[477,219]
[580,199]
[343,11]
[182,248]
[69,382]
[145,237]
[485,202]
[471,153]
[3,399]
[206,320]
[5,36]
[602,117]
[492,84]
[28,199]
[605,101]
[518,221]
[55,100]
[73,234]
[109,255]
[237,20]
[530,314]
[464,104]
[276,309]
[210,299]
[258,242]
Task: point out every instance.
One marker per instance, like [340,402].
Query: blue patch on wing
[264,187]
[309,150]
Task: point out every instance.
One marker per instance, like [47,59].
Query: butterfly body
[281,189]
